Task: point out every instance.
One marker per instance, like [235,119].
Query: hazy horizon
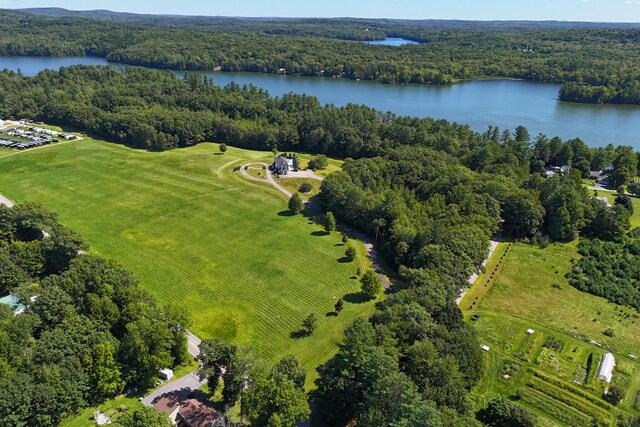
[613,11]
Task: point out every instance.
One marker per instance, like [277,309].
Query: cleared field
[199,235]
[525,287]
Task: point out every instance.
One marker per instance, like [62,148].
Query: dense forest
[88,331]
[610,269]
[594,65]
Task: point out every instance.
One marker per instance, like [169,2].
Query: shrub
[319,162]
[305,188]
[609,332]
[554,343]
[309,324]
[329,222]
[615,395]
[223,148]
[350,253]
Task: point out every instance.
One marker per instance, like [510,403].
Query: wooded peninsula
[593,65]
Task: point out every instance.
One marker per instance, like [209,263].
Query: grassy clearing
[257,171]
[334,165]
[525,288]
[197,234]
[111,408]
[293,185]
[529,290]
[635,217]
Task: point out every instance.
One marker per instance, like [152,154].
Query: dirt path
[42,147]
[474,276]
[312,205]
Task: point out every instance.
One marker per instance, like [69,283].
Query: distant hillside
[186,21]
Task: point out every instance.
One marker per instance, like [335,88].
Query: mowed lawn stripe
[199,235]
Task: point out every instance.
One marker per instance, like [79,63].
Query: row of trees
[88,332]
[596,65]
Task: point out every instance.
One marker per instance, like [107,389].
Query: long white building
[605,372]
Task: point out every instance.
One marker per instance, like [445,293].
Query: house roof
[196,413]
[170,402]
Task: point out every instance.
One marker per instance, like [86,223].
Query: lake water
[392,41]
[503,103]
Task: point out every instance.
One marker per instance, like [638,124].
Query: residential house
[282,165]
[188,411]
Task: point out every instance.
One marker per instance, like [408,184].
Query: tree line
[597,65]
[88,333]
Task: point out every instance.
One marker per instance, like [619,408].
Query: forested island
[593,65]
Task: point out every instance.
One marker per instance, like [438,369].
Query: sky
[562,10]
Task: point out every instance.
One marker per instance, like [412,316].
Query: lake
[391,41]
[503,103]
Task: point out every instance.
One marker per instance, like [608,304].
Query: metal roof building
[605,372]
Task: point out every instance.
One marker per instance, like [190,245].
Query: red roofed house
[187,412]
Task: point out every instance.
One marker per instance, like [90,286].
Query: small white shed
[485,347]
[530,331]
[166,374]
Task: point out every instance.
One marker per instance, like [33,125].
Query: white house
[605,372]
[282,165]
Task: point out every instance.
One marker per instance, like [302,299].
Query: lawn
[525,287]
[199,235]
[111,408]
[293,185]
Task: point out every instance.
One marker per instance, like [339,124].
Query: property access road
[313,206]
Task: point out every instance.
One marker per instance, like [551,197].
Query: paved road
[5,201]
[312,205]
[184,385]
[193,343]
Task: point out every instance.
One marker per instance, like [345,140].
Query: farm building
[604,201]
[605,372]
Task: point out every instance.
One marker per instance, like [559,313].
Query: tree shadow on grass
[344,260]
[319,233]
[339,244]
[296,335]
[218,154]
[331,314]
[286,213]
[356,298]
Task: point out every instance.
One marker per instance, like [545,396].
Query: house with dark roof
[282,165]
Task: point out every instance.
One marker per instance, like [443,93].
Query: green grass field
[112,408]
[525,287]
[199,235]
[293,184]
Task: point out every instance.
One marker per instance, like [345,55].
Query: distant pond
[503,103]
[392,41]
